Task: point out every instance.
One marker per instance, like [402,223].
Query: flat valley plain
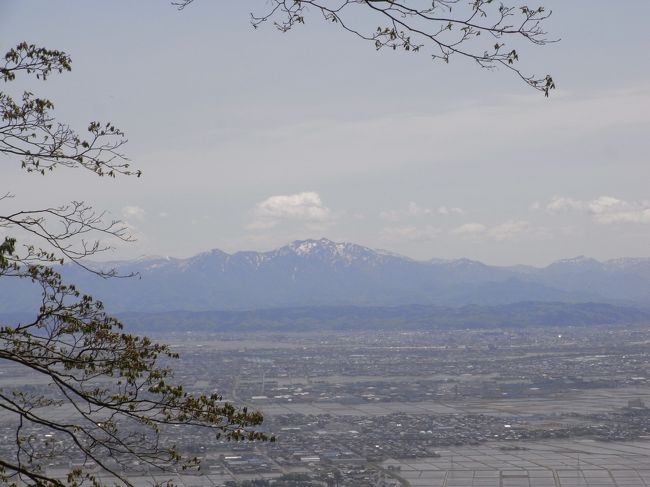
[500,407]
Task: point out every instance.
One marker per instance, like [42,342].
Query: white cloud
[414,210]
[469,229]
[306,207]
[509,230]
[133,212]
[444,210]
[636,216]
[132,216]
[605,209]
[608,204]
[390,215]
[560,203]
[410,234]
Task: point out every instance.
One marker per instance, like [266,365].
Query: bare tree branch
[28,129]
[64,230]
[117,387]
[476,30]
[29,133]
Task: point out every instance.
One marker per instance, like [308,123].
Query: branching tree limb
[64,231]
[29,132]
[116,389]
[472,29]
[118,395]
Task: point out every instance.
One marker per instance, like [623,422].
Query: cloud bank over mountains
[536,233]
[605,209]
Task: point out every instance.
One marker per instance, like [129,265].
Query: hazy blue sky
[250,139]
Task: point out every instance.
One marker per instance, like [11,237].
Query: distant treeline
[415,317]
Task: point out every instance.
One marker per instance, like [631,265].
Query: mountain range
[326,273]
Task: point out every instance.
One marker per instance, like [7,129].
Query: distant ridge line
[327,273]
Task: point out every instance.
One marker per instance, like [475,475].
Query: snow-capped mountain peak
[325,272]
[579,261]
[326,249]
